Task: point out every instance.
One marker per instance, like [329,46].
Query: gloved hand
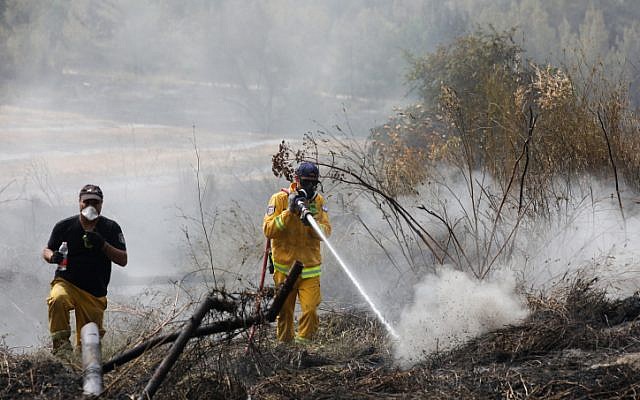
[93,240]
[303,216]
[56,258]
[293,202]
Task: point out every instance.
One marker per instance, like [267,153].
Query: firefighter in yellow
[292,239]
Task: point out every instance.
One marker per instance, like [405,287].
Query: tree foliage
[498,141]
[487,96]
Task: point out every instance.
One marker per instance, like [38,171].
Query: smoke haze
[121,94]
[451,308]
[585,238]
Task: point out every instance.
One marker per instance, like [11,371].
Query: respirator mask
[90,213]
[308,188]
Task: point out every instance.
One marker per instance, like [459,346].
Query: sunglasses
[92,201]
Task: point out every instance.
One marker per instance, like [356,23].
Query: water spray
[305,214]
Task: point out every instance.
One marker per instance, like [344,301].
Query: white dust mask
[90,213]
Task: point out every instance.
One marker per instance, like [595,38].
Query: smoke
[148,175]
[450,308]
[590,239]
[583,236]
[108,92]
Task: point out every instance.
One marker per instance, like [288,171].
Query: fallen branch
[176,349]
[218,327]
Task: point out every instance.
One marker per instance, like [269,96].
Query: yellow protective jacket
[291,240]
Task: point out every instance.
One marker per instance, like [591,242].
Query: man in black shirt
[93,242]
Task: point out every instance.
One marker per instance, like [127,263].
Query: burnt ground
[574,345]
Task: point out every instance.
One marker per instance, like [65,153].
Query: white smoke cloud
[591,239]
[586,237]
[450,308]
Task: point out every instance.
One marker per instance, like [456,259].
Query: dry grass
[37,376]
[575,344]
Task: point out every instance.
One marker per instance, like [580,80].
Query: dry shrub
[504,112]
[400,147]
[552,85]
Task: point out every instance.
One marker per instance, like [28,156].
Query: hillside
[575,344]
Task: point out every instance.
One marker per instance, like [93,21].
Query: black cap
[90,192]
[308,170]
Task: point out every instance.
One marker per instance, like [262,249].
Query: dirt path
[41,145]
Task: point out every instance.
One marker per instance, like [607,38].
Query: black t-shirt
[88,269]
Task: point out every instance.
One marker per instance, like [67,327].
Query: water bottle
[65,251]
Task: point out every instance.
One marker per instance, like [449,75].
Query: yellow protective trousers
[65,297]
[308,292]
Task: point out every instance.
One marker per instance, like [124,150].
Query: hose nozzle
[304,211]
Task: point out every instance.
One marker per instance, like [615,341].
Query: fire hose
[265,259]
[307,218]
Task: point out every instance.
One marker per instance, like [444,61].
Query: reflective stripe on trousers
[307,272]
